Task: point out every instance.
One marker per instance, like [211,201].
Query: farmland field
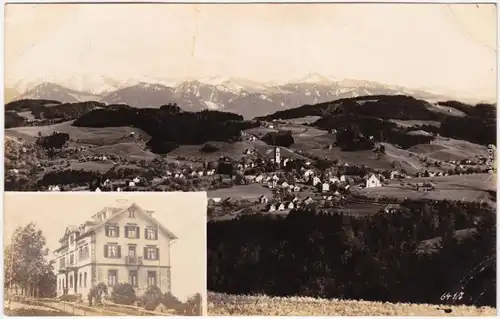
[474,187]
[251,191]
[409,123]
[86,135]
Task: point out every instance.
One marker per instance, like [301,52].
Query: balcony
[62,268]
[133,260]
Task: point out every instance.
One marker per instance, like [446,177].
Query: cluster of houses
[296,202]
[248,137]
[185,173]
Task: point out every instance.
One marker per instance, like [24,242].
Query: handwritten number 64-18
[455,296]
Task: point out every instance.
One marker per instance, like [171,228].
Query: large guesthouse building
[119,244]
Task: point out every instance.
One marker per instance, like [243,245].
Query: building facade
[122,244]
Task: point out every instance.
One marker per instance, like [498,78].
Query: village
[260,179]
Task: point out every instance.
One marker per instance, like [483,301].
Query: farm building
[426,187]
[373,181]
[325,187]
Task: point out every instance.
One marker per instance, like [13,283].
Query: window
[131,231]
[112,251]
[151,253]
[112,231]
[132,278]
[80,281]
[151,278]
[151,233]
[85,279]
[71,281]
[131,214]
[131,251]
[71,259]
[112,277]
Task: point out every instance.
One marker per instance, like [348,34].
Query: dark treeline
[482,110]
[49,110]
[371,113]
[29,105]
[92,179]
[12,119]
[473,129]
[378,258]
[168,127]
[354,132]
[381,106]
[281,138]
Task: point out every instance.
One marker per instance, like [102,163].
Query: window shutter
[157,253]
[137,232]
[119,251]
[106,251]
[106,229]
[156,233]
[126,231]
[117,231]
[146,253]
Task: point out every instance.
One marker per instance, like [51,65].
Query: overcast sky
[182,213]
[448,46]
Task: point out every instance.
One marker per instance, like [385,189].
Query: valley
[351,161]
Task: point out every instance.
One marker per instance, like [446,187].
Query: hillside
[381,116]
[239,305]
[170,128]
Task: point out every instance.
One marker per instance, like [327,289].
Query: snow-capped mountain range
[245,97]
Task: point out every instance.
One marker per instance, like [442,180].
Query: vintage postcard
[105,254]
[347,149]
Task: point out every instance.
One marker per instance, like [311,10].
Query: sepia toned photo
[91,254]
[347,150]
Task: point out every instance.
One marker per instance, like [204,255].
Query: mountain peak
[317,78]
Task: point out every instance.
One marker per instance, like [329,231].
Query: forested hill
[169,127]
[473,123]
[401,107]
[310,253]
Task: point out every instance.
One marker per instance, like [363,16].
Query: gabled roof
[145,213]
[72,228]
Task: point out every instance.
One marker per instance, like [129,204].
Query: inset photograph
[105,254]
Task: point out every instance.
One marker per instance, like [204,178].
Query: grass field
[27,312]
[234,150]
[474,187]
[131,149]
[235,305]
[92,166]
[251,191]
[302,120]
[446,109]
[86,135]
[445,149]
[410,123]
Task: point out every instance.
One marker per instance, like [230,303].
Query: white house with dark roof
[118,244]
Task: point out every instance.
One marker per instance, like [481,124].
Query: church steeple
[277,156]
